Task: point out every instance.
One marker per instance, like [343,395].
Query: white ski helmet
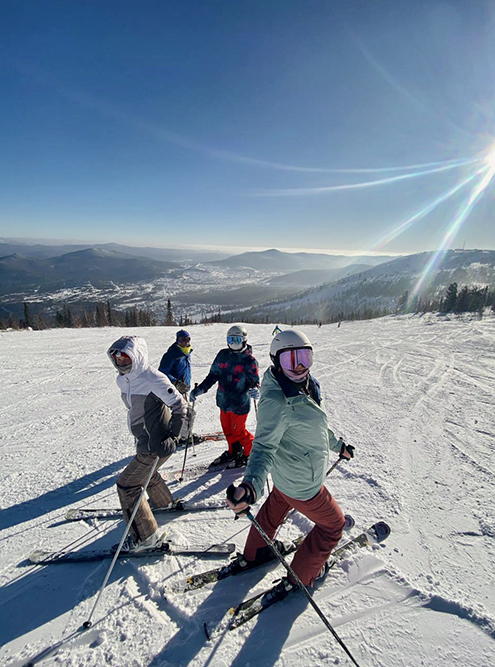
[288,340]
[237,337]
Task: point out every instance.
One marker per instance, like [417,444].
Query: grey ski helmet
[237,337]
[290,339]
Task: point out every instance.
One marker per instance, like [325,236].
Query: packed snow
[414,395]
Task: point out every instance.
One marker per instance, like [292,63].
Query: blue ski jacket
[176,365]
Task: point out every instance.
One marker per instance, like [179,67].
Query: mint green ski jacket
[292,442]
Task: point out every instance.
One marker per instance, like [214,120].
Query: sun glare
[490,158]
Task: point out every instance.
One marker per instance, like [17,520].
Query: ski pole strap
[299,583]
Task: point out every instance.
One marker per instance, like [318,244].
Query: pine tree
[462,302]
[402,303]
[68,321]
[109,314]
[28,320]
[100,315]
[169,318]
[84,318]
[450,298]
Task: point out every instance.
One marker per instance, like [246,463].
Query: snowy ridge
[382,285]
[416,398]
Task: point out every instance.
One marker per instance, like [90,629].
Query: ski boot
[279,592]
[239,458]
[225,457]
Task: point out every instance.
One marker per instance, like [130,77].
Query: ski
[179,505]
[196,581]
[42,557]
[214,435]
[243,612]
[202,437]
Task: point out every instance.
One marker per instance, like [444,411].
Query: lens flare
[397,231]
[490,158]
[464,211]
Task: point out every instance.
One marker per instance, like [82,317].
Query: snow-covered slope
[416,398]
[381,286]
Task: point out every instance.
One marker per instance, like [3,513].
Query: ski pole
[191,435]
[332,467]
[189,439]
[303,588]
[184,462]
[87,624]
[256,408]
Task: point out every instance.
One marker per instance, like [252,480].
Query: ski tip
[382,530]
[38,556]
[69,515]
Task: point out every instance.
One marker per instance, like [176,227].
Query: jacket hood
[136,348]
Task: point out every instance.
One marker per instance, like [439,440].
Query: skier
[292,442]
[276,330]
[176,364]
[156,412]
[236,371]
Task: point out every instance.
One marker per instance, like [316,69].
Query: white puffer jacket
[156,409]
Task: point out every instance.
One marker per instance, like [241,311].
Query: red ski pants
[234,427]
[318,543]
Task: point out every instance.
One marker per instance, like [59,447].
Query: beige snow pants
[129,486]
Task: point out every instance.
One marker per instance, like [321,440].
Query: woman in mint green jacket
[292,442]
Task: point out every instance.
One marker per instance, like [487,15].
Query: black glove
[349,449]
[166,447]
[249,496]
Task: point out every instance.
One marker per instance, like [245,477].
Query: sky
[296,124]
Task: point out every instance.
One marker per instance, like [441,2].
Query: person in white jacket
[156,414]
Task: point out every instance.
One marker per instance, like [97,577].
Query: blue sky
[232,123]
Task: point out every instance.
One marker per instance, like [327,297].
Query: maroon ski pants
[310,557]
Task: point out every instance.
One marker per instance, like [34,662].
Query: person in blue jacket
[176,362]
[176,365]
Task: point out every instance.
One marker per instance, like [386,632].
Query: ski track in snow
[415,395]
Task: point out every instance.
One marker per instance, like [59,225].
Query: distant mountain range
[380,287]
[253,284]
[277,261]
[41,251]
[99,267]
[43,268]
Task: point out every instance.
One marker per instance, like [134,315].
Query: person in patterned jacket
[236,371]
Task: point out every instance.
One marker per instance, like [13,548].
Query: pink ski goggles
[290,359]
